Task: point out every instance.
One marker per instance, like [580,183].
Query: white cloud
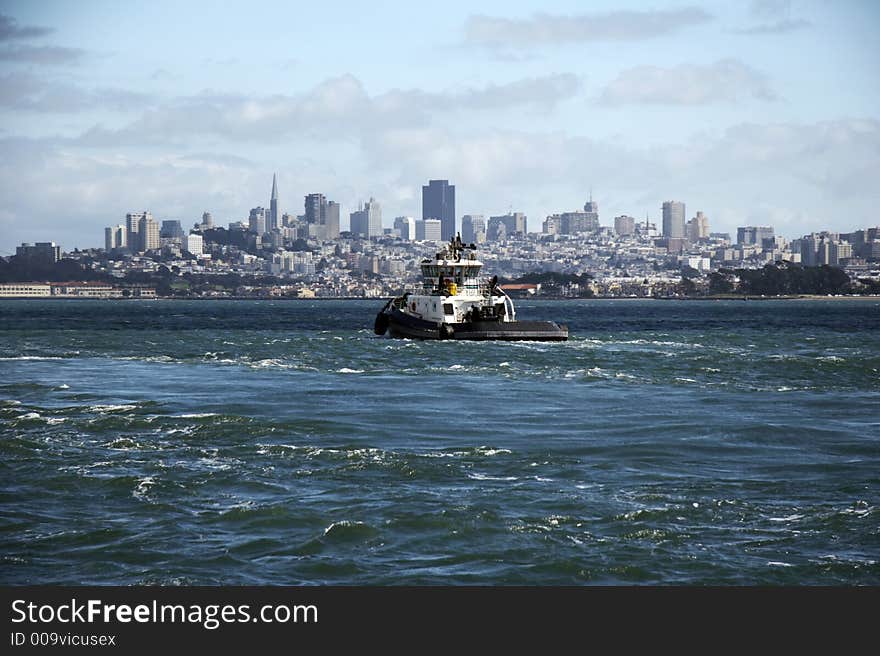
[555,29]
[724,81]
[337,108]
[26,92]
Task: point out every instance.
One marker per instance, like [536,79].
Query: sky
[755,113]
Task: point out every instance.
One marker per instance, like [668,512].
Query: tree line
[782,279]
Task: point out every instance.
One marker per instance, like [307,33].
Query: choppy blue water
[219,442]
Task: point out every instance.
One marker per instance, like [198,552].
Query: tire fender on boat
[446,331]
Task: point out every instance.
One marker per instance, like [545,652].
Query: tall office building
[698,228]
[591,208]
[367,221]
[374,217]
[207,221]
[148,234]
[753,235]
[171,230]
[132,225]
[624,225]
[809,247]
[195,244]
[323,213]
[257,220]
[274,219]
[331,220]
[438,202]
[115,237]
[840,250]
[43,252]
[359,222]
[406,227]
[316,207]
[673,220]
[473,229]
[552,225]
[506,225]
[429,230]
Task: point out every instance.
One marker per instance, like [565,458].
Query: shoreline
[804,297]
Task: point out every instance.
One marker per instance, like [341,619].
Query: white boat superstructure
[453,291]
[455,302]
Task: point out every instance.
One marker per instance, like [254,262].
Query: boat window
[448,309]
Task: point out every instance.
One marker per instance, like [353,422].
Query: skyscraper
[374,214]
[132,225]
[274,216]
[406,227]
[753,235]
[507,225]
[552,225]
[171,229]
[429,230]
[114,237]
[624,225]
[195,244]
[591,208]
[809,248]
[148,234]
[359,222]
[438,202]
[367,221]
[473,228]
[257,220]
[673,220]
[331,220]
[698,228]
[573,223]
[323,217]
[316,207]
[43,252]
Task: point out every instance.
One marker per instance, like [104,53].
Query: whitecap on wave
[142,488]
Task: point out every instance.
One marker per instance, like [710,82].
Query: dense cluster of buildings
[308,255]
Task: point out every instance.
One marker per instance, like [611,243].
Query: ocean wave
[124,444]
[122,407]
[488,477]
[143,488]
[34,357]
[348,530]
[787,518]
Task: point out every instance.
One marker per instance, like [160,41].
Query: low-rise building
[25,290]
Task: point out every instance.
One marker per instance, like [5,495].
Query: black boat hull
[406,326]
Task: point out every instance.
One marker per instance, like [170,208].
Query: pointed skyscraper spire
[274,218]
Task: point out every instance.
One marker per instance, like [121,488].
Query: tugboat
[455,303]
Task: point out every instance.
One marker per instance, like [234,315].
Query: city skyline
[320,222]
[758,114]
